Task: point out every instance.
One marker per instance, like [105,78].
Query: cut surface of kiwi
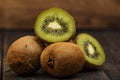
[92,49]
[62,59]
[54,25]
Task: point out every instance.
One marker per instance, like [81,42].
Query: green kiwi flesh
[24,54]
[62,59]
[92,49]
[54,25]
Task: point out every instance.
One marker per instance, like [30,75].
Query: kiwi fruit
[54,25]
[62,59]
[94,53]
[24,54]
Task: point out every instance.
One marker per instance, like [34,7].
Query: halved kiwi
[92,49]
[54,25]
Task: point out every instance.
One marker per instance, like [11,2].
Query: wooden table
[109,39]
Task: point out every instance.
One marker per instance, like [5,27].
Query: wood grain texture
[113,54]
[109,39]
[1,53]
[87,14]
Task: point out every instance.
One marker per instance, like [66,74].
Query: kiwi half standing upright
[94,53]
[54,25]
[24,54]
[62,59]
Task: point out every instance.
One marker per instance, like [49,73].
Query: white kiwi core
[54,25]
[90,49]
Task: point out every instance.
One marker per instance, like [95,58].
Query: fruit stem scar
[50,61]
[25,46]
[54,25]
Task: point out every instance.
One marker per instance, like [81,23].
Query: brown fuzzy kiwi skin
[24,54]
[62,59]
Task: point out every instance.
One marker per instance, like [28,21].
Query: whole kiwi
[24,54]
[62,59]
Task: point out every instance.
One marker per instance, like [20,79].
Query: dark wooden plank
[11,36]
[111,45]
[93,75]
[1,53]
[110,40]
[40,75]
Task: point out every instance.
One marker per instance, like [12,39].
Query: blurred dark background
[21,14]
[17,19]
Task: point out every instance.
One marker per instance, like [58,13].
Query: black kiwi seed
[55,25]
[94,53]
[48,20]
[87,45]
